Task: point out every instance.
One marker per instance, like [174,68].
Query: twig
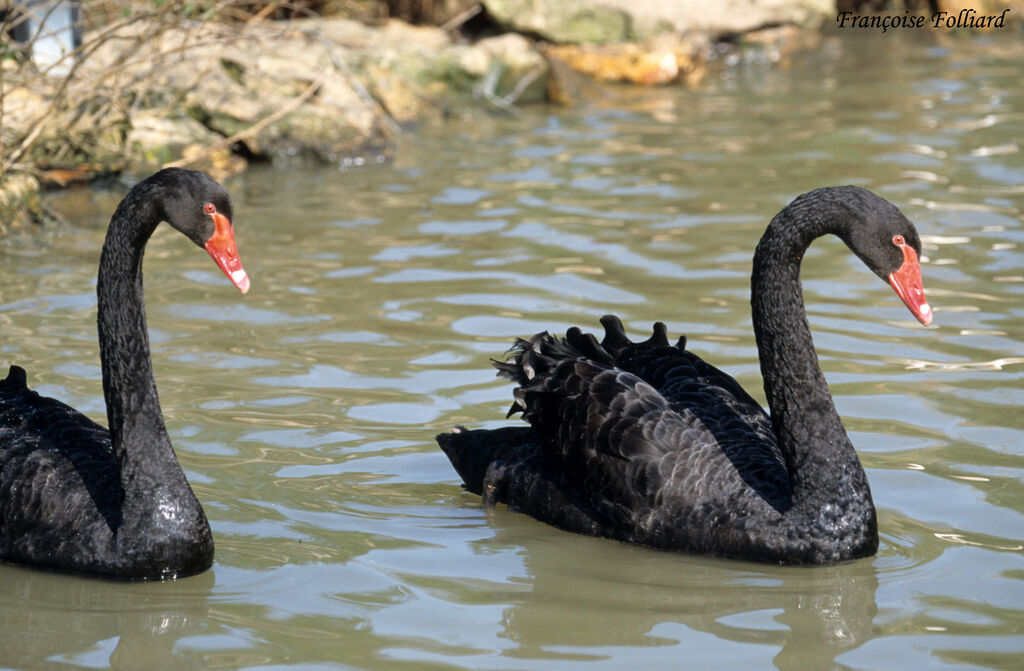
[264,13]
[524,82]
[459,19]
[357,85]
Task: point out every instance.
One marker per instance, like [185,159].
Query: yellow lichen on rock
[634,63]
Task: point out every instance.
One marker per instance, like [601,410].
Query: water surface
[304,413]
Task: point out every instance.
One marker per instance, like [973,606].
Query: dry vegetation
[206,84]
[72,114]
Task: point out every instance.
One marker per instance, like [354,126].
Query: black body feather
[649,444]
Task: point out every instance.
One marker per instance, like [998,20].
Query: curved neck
[822,464]
[160,527]
[129,388]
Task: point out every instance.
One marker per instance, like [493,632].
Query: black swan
[647,443]
[75,496]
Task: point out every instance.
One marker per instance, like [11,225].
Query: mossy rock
[565,22]
[20,202]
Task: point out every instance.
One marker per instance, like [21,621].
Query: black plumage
[75,496]
[649,444]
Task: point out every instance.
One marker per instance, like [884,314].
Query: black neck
[822,464]
[133,409]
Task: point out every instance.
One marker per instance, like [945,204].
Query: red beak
[907,283]
[221,247]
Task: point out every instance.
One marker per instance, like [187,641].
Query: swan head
[888,243]
[200,208]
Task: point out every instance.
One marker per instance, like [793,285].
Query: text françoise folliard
[965,18]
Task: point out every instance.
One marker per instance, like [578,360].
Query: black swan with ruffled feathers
[647,443]
[75,496]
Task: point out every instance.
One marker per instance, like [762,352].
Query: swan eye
[210,208]
[898,240]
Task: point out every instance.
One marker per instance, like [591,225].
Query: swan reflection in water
[575,598]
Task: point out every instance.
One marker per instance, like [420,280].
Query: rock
[22,108]
[660,62]
[604,21]
[280,90]
[218,161]
[566,85]
[415,71]
[580,22]
[159,138]
[402,101]
[20,202]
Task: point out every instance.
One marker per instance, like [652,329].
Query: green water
[304,412]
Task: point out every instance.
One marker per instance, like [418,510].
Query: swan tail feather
[659,337]
[616,342]
[587,345]
[16,378]
[615,337]
[536,364]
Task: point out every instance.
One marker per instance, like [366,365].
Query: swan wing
[645,426]
[57,469]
